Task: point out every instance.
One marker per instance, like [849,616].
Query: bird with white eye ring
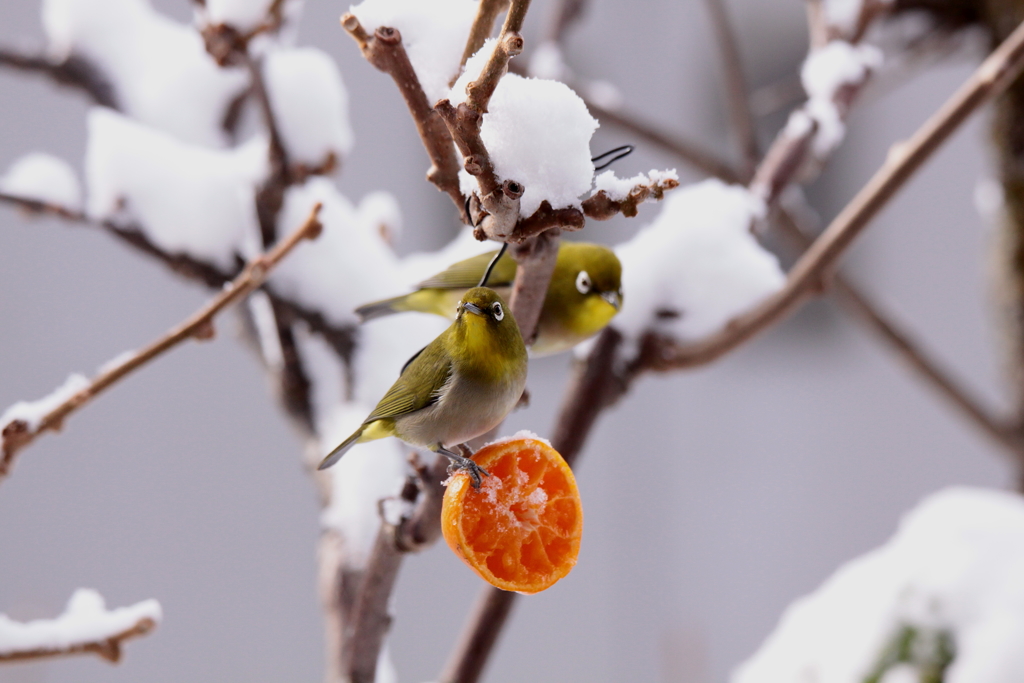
[456,388]
[584,295]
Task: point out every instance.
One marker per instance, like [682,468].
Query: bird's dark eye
[497,311]
[583,282]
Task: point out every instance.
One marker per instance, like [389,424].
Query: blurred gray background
[713,497]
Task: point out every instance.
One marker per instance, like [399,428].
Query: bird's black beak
[473,308]
[612,298]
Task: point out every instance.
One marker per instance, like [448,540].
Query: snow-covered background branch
[185,485]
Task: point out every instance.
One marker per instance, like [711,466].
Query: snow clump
[537,133]
[952,572]
[44,178]
[697,266]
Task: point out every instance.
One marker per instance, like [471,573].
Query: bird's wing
[419,386]
[466,274]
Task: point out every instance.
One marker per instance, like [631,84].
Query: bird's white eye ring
[499,312]
[583,282]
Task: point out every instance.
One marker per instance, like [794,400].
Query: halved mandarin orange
[521,530]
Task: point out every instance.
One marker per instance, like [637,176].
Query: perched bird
[584,295]
[457,387]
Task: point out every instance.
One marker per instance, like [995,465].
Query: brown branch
[483,26]
[535,259]
[868,313]
[463,125]
[109,648]
[593,387]
[508,45]
[817,27]
[565,14]
[684,149]
[806,277]
[385,51]
[74,72]
[359,598]
[735,85]
[17,434]
[108,630]
[600,206]
[790,153]
[341,339]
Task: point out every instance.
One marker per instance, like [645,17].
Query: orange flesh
[521,530]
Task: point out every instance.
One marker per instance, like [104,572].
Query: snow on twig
[85,626]
[24,422]
[44,178]
[131,44]
[805,277]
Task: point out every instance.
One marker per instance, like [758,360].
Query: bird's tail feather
[379,309]
[335,455]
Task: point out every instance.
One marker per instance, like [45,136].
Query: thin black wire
[619,152]
[490,266]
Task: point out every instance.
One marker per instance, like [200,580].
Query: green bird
[456,388]
[584,295]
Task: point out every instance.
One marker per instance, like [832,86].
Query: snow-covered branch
[73,71]
[806,277]
[1002,431]
[483,26]
[508,44]
[85,626]
[24,421]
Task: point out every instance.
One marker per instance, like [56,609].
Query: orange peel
[521,530]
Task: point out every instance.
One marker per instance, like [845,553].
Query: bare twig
[483,25]
[508,45]
[74,72]
[817,27]
[565,14]
[18,434]
[270,196]
[341,339]
[536,262]
[385,51]
[688,151]
[40,206]
[807,275]
[735,85]
[868,313]
[108,648]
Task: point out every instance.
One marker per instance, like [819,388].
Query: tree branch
[862,309]
[18,433]
[85,626]
[385,51]
[684,149]
[508,45]
[806,277]
[74,72]
[735,85]
[360,603]
[483,25]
